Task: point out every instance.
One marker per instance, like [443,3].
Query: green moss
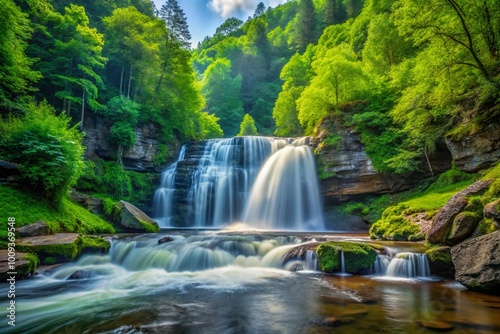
[91,244]
[69,217]
[49,260]
[357,256]
[148,227]
[485,226]
[30,268]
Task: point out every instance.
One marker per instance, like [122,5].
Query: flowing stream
[238,282]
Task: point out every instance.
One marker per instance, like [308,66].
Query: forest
[423,70]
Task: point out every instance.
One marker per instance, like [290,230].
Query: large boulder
[477,263]
[32,230]
[443,220]
[358,257]
[131,217]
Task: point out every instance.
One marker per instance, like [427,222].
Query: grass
[29,209]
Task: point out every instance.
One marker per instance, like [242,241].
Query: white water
[409,265]
[286,193]
[163,199]
[232,183]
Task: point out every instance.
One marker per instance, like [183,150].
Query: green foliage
[247,126]
[48,151]
[69,217]
[357,256]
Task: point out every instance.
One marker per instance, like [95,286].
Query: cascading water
[218,175]
[408,265]
[286,192]
[164,195]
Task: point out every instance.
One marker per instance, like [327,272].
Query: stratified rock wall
[473,153]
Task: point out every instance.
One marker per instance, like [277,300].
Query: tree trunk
[129,82]
[428,161]
[83,110]
[121,80]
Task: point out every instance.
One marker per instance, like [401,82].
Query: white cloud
[242,8]
[227,7]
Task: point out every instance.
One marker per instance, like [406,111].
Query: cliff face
[140,157]
[473,153]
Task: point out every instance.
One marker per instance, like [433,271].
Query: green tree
[334,12]
[222,93]
[16,74]
[305,33]
[261,8]
[247,126]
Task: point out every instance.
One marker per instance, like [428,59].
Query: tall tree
[261,8]
[334,12]
[176,22]
[305,30]
[16,75]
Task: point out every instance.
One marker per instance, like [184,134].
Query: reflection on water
[127,292]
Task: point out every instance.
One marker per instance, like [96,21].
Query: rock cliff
[140,157]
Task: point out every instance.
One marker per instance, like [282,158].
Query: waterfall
[264,182]
[286,192]
[342,263]
[408,265]
[164,196]
[380,265]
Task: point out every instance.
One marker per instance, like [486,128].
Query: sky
[204,16]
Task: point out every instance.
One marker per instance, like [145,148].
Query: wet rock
[35,229]
[476,152]
[25,265]
[435,325]
[477,263]
[80,274]
[443,220]
[91,203]
[492,210]
[131,217]
[165,240]
[440,262]
[463,226]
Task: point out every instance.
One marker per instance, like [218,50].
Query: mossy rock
[62,247]
[463,225]
[133,219]
[358,257]
[25,264]
[392,226]
[440,262]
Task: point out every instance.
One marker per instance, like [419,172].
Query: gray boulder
[477,263]
[131,217]
[33,230]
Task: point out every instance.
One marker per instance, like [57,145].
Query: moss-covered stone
[440,262]
[132,218]
[62,247]
[463,226]
[25,264]
[357,256]
[394,226]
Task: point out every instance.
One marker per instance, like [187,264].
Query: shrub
[47,150]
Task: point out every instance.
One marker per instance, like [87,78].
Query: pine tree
[261,8]
[306,24]
[247,126]
[334,12]
[176,22]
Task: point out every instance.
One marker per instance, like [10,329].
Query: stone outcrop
[463,225]
[132,218]
[35,229]
[478,151]
[445,217]
[140,157]
[91,203]
[477,263]
[352,170]
[25,265]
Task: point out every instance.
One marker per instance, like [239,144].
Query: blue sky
[204,16]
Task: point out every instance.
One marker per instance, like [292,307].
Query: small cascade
[408,265]
[342,263]
[310,260]
[164,196]
[286,193]
[380,265]
[199,253]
